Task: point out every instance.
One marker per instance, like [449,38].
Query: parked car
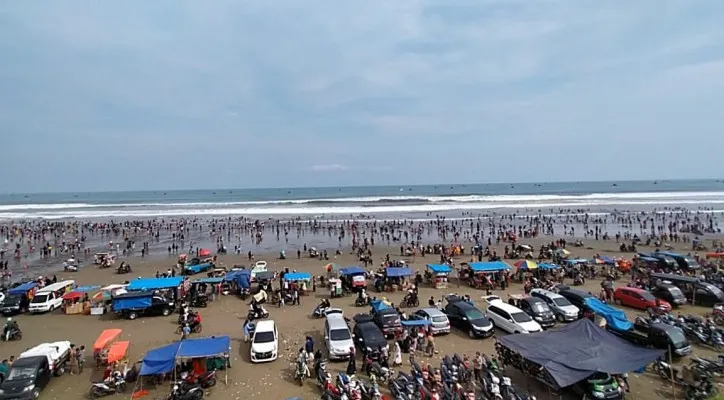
[386,317]
[265,342]
[576,297]
[561,307]
[510,318]
[536,308]
[337,336]
[467,317]
[670,293]
[368,336]
[133,304]
[640,299]
[439,322]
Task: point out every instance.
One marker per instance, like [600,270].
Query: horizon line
[357,186]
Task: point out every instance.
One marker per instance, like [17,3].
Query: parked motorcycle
[13,334]
[182,392]
[261,313]
[205,380]
[114,384]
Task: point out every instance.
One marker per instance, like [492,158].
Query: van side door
[44,374]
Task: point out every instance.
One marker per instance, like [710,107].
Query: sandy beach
[225,317]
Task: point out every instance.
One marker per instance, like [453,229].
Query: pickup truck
[657,335]
[132,305]
[33,369]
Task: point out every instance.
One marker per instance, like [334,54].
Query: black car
[368,336]
[15,303]
[467,317]
[538,310]
[388,320]
[27,378]
[131,305]
[670,293]
[576,297]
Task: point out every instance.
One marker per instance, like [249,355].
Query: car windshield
[677,337]
[473,314]
[40,298]
[391,319]
[263,337]
[676,292]
[521,317]
[540,307]
[21,373]
[11,299]
[713,289]
[691,261]
[647,296]
[561,301]
[439,318]
[339,334]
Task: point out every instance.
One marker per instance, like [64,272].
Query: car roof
[504,306]
[633,289]
[532,300]
[433,312]
[29,361]
[336,321]
[575,292]
[546,293]
[266,325]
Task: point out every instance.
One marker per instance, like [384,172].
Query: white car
[337,336]
[265,342]
[510,318]
[260,266]
[561,307]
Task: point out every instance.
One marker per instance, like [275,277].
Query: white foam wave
[702,196]
[352,210]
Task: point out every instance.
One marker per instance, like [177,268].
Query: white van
[50,297]
[265,342]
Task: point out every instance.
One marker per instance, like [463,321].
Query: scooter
[301,373]
[13,334]
[206,380]
[115,384]
[262,313]
[319,311]
[190,393]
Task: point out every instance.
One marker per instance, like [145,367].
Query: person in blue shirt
[309,346]
[247,330]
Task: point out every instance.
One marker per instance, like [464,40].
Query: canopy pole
[671,369]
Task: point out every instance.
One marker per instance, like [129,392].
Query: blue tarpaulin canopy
[22,288]
[439,268]
[211,281]
[354,270]
[415,322]
[607,260]
[297,276]
[548,266]
[154,283]
[379,305]
[163,359]
[615,318]
[86,288]
[396,272]
[577,261]
[242,277]
[492,266]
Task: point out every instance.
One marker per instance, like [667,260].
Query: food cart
[77,301]
[436,275]
[484,275]
[303,281]
[335,287]
[103,344]
[394,278]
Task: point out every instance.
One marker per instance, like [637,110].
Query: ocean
[423,201]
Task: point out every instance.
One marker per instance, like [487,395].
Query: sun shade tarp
[379,305]
[22,288]
[492,266]
[297,276]
[118,351]
[353,270]
[548,266]
[163,359]
[130,303]
[615,318]
[106,337]
[439,268]
[577,350]
[209,280]
[397,272]
[154,283]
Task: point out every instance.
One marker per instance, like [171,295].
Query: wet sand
[225,317]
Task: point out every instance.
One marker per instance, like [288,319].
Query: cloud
[449,90]
[328,167]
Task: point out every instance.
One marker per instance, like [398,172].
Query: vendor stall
[392,279]
[484,275]
[303,281]
[102,345]
[436,275]
[77,301]
[353,278]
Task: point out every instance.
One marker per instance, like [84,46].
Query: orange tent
[106,337]
[118,351]
[714,255]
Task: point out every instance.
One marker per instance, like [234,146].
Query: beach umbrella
[526,264]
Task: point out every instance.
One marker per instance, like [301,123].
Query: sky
[148,95]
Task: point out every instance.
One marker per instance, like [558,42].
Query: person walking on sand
[398,355]
[73,360]
[185,332]
[80,356]
[247,331]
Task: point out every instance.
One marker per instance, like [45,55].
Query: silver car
[438,320]
[561,307]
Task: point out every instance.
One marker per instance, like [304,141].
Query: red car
[639,298]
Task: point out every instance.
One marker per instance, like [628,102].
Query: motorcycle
[261,313]
[195,328]
[13,334]
[362,302]
[190,393]
[244,293]
[374,368]
[115,384]
[410,300]
[301,372]
[319,311]
[205,380]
